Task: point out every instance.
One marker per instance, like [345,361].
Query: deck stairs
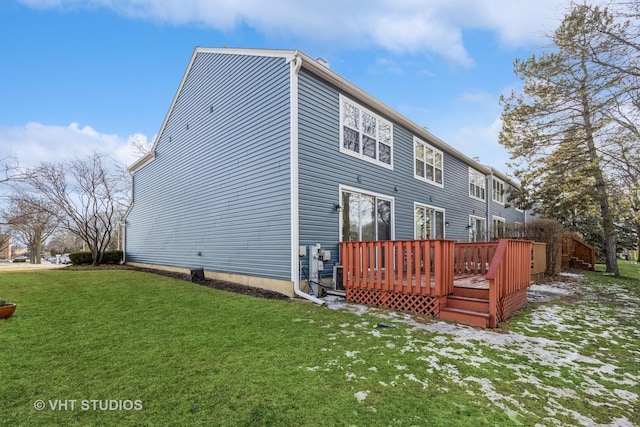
[469,306]
[575,262]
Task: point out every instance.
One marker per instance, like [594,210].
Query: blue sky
[84,75]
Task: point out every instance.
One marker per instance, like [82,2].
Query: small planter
[6,310]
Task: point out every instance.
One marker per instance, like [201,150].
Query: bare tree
[139,145]
[86,196]
[30,223]
[5,241]
[9,169]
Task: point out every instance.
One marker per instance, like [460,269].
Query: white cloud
[479,97]
[386,65]
[481,140]
[36,142]
[409,26]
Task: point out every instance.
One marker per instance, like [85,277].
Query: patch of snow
[626,395]
[413,378]
[571,275]
[448,348]
[361,395]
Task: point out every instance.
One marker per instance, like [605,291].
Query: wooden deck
[473,281]
[480,284]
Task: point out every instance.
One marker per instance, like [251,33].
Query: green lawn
[183,354]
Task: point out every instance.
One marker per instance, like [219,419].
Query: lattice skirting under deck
[511,303]
[420,304]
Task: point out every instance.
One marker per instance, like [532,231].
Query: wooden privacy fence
[509,277]
[538,261]
[416,267]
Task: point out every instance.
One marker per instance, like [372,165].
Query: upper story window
[476,184]
[364,134]
[428,163]
[498,190]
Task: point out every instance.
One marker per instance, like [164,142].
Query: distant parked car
[5,260]
[64,259]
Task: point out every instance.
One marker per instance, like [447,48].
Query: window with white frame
[429,222]
[365,217]
[498,190]
[497,227]
[428,163]
[364,134]
[477,229]
[476,184]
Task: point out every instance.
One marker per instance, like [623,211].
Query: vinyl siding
[219,184]
[507,209]
[323,169]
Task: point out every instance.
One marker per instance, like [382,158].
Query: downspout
[489,184]
[295,64]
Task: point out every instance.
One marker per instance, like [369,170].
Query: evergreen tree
[561,130]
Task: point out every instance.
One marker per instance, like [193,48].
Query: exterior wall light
[337,207]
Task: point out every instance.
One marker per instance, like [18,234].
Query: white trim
[294,67]
[434,208]
[343,188]
[360,155]
[143,161]
[484,180]
[288,54]
[499,219]
[495,180]
[481,218]
[293,171]
[417,140]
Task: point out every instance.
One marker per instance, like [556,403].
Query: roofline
[340,82]
[504,177]
[322,71]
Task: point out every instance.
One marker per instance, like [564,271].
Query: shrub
[548,231]
[112,257]
[78,258]
[108,257]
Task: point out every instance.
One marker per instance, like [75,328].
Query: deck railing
[416,267]
[509,276]
[473,257]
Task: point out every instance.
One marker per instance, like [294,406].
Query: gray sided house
[265,154]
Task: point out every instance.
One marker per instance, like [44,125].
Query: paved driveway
[16,266]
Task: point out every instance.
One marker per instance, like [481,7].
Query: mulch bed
[210,283]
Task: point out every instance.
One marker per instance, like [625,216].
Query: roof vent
[322,61]
[477,159]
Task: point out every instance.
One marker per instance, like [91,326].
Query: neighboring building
[265,151]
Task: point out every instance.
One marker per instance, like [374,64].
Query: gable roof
[319,69]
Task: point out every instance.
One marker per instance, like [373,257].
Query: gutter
[295,62]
